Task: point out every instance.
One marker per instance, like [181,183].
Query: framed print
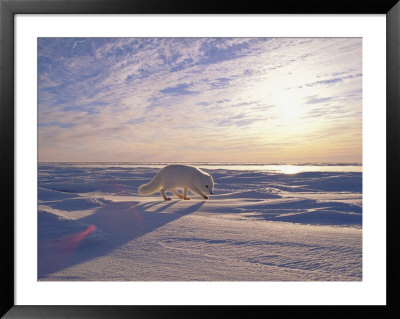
[163,154]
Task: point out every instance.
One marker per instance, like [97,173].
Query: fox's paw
[168,198]
[187,198]
[205,196]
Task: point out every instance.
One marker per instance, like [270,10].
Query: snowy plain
[262,224]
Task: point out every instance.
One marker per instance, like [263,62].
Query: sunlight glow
[289,109]
[290,169]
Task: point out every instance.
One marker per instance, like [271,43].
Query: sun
[285,104]
[289,108]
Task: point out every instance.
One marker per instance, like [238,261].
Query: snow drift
[259,226]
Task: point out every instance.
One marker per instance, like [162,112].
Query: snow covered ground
[259,226]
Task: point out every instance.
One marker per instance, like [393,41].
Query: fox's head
[207,186]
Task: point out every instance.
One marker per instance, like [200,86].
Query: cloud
[179,89]
[315,100]
[233,97]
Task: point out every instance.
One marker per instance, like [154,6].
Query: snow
[259,226]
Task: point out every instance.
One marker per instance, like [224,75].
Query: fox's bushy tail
[151,187]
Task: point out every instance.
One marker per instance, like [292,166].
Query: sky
[229,100]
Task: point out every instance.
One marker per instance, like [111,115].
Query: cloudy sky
[264,100]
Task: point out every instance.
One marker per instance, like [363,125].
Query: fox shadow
[119,222]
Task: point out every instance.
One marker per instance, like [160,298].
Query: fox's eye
[207,186]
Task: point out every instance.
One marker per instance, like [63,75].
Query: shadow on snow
[122,222]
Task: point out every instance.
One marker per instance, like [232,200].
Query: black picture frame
[9,8]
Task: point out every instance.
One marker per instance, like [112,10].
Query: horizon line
[225,163]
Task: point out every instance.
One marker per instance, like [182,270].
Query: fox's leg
[184,193]
[162,191]
[198,192]
[177,194]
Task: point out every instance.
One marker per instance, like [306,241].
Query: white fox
[172,177]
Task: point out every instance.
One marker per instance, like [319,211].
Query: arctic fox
[172,177]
